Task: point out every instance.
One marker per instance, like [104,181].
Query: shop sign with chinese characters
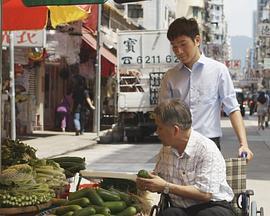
[144,49]
[25,38]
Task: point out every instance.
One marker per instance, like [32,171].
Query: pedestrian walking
[268,110]
[262,109]
[81,103]
[63,112]
[203,84]
[190,169]
[252,105]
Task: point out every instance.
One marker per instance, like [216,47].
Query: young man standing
[203,84]
[190,168]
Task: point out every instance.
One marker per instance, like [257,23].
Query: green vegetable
[130,211]
[59,202]
[107,195]
[70,213]
[78,194]
[83,202]
[68,159]
[94,197]
[17,174]
[123,196]
[102,210]
[143,174]
[64,209]
[16,152]
[115,206]
[85,211]
[76,168]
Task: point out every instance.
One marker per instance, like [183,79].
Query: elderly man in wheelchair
[190,172]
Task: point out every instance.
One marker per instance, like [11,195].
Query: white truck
[143,57]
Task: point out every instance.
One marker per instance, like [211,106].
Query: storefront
[28,64]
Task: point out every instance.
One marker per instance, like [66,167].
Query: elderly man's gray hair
[174,112]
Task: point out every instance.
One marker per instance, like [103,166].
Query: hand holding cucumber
[150,181]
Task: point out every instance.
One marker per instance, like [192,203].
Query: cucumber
[66,164]
[94,197]
[76,168]
[58,202]
[78,194]
[65,209]
[83,202]
[107,195]
[70,213]
[129,211]
[102,210]
[115,206]
[68,159]
[85,211]
[138,207]
[123,196]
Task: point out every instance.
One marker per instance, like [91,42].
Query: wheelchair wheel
[243,202]
[253,208]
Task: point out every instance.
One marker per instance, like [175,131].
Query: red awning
[18,17]
[89,39]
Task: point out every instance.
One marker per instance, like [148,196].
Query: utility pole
[98,73]
[12,86]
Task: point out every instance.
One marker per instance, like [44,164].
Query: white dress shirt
[204,89]
[201,165]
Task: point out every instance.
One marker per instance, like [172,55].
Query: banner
[25,38]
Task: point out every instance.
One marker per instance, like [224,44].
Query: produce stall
[33,186]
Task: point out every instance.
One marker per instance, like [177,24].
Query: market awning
[91,41]
[16,16]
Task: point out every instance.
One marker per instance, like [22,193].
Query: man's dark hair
[182,26]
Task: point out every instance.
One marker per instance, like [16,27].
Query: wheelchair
[236,178]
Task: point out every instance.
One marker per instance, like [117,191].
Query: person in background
[252,105]
[262,109]
[190,168]
[81,103]
[203,84]
[268,110]
[63,110]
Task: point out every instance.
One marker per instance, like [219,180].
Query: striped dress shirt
[200,165]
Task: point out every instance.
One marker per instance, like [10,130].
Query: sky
[239,16]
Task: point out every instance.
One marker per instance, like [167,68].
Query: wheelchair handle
[243,155]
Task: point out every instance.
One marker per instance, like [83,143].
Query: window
[135,11]
[195,11]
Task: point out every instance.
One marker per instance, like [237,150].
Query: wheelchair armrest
[249,192]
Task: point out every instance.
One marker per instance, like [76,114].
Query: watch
[166,189]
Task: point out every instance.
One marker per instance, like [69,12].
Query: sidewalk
[51,143]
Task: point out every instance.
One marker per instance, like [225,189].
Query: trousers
[218,208]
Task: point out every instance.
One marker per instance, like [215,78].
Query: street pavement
[129,157]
